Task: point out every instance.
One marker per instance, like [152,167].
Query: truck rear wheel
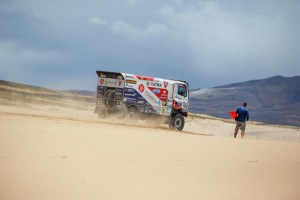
[177,122]
[132,114]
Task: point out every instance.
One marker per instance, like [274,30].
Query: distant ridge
[274,100]
[82,92]
[20,94]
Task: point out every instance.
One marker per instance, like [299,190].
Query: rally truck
[140,97]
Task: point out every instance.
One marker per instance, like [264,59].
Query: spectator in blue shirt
[242,117]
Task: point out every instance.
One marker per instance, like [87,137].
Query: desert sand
[50,152]
[52,146]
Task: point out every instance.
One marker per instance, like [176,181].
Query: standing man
[242,117]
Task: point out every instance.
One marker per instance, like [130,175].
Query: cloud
[121,28]
[132,2]
[14,55]
[166,11]
[97,21]
[28,65]
[208,43]
[223,41]
[153,29]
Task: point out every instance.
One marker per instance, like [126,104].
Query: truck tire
[132,114]
[177,122]
[110,95]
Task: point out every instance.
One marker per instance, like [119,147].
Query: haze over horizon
[60,45]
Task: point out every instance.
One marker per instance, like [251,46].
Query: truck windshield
[182,90]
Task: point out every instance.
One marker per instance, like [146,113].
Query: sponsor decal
[130,100]
[153,100]
[179,103]
[118,93]
[101,81]
[130,94]
[156,91]
[178,97]
[100,91]
[128,85]
[140,97]
[160,93]
[157,109]
[141,101]
[131,90]
[164,94]
[141,88]
[167,112]
[155,84]
[165,84]
[110,82]
[100,88]
[131,81]
[144,78]
[164,103]
[128,76]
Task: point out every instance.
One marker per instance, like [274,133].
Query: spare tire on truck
[110,96]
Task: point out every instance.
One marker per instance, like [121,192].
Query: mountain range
[274,100]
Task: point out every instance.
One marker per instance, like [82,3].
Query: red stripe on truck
[144,78]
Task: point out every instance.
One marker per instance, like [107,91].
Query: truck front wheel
[177,122]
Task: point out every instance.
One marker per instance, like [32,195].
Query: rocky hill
[274,100]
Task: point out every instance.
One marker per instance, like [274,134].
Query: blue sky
[60,44]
